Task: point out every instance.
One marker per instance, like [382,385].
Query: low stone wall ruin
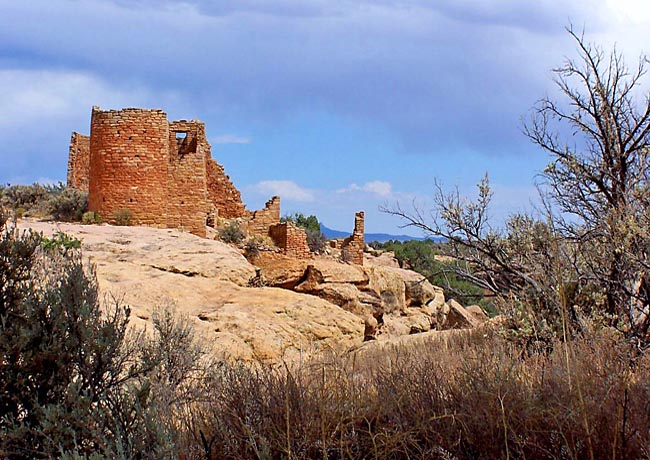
[291,239]
[79,161]
[353,246]
[262,220]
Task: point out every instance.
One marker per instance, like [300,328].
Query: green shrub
[90,218]
[231,233]
[315,240]
[29,197]
[73,384]
[123,217]
[68,205]
[306,222]
[60,241]
[252,248]
[59,201]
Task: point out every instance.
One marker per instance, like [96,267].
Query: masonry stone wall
[336,243]
[262,220]
[353,246]
[79,161]
[187,196]
[291,239]
[222,192]
[129,155]
[161,172]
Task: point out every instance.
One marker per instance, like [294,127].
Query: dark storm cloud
[438,75]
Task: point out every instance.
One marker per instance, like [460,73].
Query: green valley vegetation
[425,257]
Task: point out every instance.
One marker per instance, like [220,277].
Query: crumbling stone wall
[79,161]
[187,194]
[352,248]
[336,243]
[223,194]
[291,239]
[162,173]
[129,156]
[262,220]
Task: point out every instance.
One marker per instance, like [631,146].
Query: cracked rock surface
[208,281]
[301,307]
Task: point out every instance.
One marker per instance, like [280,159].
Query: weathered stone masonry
[163,174]
[262,220]
[354,244]
[129,165]
[79,161]
[292,239]
[223,193]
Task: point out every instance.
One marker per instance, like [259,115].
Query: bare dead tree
[517,262]
[597,181]
[592,244]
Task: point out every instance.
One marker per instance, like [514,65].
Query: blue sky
[336,105]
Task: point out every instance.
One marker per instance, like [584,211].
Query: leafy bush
[123,217]
[252,248]
[73,384]
[28,197]
[58,201]
[306,222]
[232,233]
[315,240]
[69,205]
[60,241]
[90,218]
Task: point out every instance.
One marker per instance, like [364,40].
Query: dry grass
[466,398]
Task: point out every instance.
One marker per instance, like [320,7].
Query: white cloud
[285,189]
[626,11]
[31,95]
[377,187]
[231,139]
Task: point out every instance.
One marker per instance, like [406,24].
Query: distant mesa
[369,237]
[164,175]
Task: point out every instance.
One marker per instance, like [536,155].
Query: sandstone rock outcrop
[207,281]
[279,308]
[401,302]
[459,317]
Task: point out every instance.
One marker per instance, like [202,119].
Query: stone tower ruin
[161,172]
[163,175]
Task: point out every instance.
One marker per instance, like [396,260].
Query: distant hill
[369,237]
